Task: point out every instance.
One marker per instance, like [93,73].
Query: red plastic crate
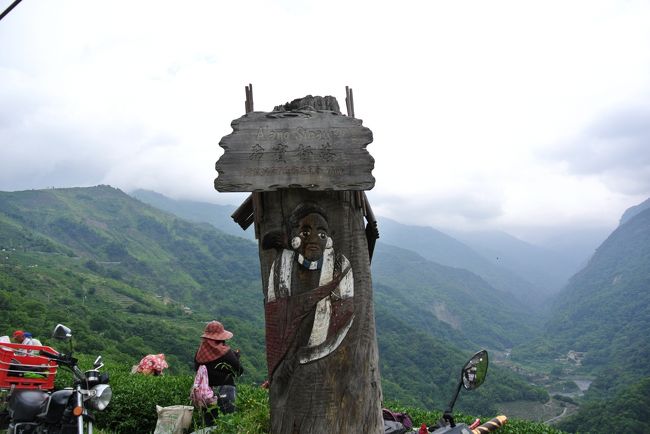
[20,368]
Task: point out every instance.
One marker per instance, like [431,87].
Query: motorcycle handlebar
[491,425]
[63,359]
[49,355]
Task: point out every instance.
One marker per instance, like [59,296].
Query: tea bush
[135,396]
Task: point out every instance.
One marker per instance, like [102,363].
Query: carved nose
[312,238]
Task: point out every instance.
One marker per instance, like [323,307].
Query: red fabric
[152,363]
[210,350]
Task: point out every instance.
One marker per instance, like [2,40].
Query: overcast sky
[520,116]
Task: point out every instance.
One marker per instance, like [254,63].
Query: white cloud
[485,114]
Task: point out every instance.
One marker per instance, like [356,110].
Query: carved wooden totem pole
[307,167]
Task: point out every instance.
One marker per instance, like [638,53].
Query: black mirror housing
[62,332]
[475,370]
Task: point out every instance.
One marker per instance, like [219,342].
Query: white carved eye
[305,233]
[322,235]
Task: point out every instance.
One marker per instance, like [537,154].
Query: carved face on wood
[313,232]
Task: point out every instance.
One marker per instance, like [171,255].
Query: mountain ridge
[443,249]
[456,249]
[131,279]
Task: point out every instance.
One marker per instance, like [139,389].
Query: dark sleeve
[218,374]
[231,358]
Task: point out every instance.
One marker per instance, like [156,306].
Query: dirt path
[559,416]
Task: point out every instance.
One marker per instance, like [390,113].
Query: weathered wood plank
[316,150]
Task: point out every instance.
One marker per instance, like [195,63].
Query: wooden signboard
[316,150]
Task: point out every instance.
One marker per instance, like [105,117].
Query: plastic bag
[175,419]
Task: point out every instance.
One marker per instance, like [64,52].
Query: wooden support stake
[244,215]
[246,100]
[249,107]
[257,213]
[347,100]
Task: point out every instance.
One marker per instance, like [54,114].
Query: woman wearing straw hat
[221,362]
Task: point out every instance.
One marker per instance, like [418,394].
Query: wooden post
[307,168]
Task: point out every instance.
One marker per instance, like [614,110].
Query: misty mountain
[547,269]
[200,212]
[131,280]
[410,275]
[605,309]
[447,302]
[430,243]
[633,211]
[439,247]
[578,244]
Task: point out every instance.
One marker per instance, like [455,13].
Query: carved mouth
[312,251]
[311,247]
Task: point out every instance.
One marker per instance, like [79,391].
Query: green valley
[131,279]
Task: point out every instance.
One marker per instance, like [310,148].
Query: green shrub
[133,406]
[251,417]
[135,396]
[564,398]
[512,426]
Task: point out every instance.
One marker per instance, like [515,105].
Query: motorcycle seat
[24,405]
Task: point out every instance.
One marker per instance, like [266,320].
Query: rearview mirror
[62,332]
[99,362]
[475,370]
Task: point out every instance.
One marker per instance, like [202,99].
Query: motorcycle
[472,376]
[32,410]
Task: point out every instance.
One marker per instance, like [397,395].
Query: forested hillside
[628,411]
[605,309]
[547,270]
[450,303]
[603,317]
[131,280]
[128,278]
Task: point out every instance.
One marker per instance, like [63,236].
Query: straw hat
[214,330]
